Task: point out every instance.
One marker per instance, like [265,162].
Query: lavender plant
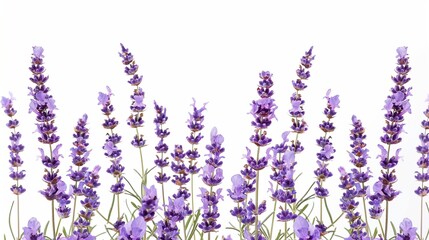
[396,105]
[284,174]
[135,120]
[113,153]
[149,220]
[43,105]
[324,156]
[212,176]
[15,160]
[79,155]
[161,148]
[423,164]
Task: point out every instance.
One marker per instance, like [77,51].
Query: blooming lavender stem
[325,155]
[396,105]
[212,176]
[358,157]
[15,160]
[43,105]
[195,124]
[262,110]
[135,120]
[423,164]
[162,148]
[79,155]
[112,151]
[299,126]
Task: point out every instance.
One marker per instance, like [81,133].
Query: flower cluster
[212,176]
[396,105]
[15,146]
[423,161]
[326,152]
[90,203]
[297,112]
[32,230]
[112,152]
[354,183]
[79,155]
[135,120]
[161,148]
[43,105]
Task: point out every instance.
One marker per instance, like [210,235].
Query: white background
[212,51]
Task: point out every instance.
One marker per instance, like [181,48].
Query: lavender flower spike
[396,105]
[43,105]
[212,176]
[423,164]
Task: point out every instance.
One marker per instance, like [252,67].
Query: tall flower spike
[43,105]
[423,164]
[112,152]
[212,176]
[162,148]
[15,148]
[135,120]
[325,154]
[358,157]
[396,105]
[263,112]
[79,155]
[297,112]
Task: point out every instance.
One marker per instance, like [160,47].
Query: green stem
[119,210]
[381,227]
[239,224]
[368,229]
[257,193]
[53,218]
[421,212]
[17,214]
[386,220]
[274,213]
[285,223]
[321,207]
[184,229]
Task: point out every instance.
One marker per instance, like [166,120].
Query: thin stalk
[275,207]
[285,223]
[184,229]
[386,220]
[141,161]
[73,215]
[74,207]
[53,218]
[257,194]
[162,186]
[274,213]
[17,214]
[321,208]
[52,201]
[421,212]
[368,229]
[239,223]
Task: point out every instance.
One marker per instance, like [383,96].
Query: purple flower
[237,192]
[133,230]
[149,204]
[15,147]
[408,232]
[304,231]
[167,230]
[32,230]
